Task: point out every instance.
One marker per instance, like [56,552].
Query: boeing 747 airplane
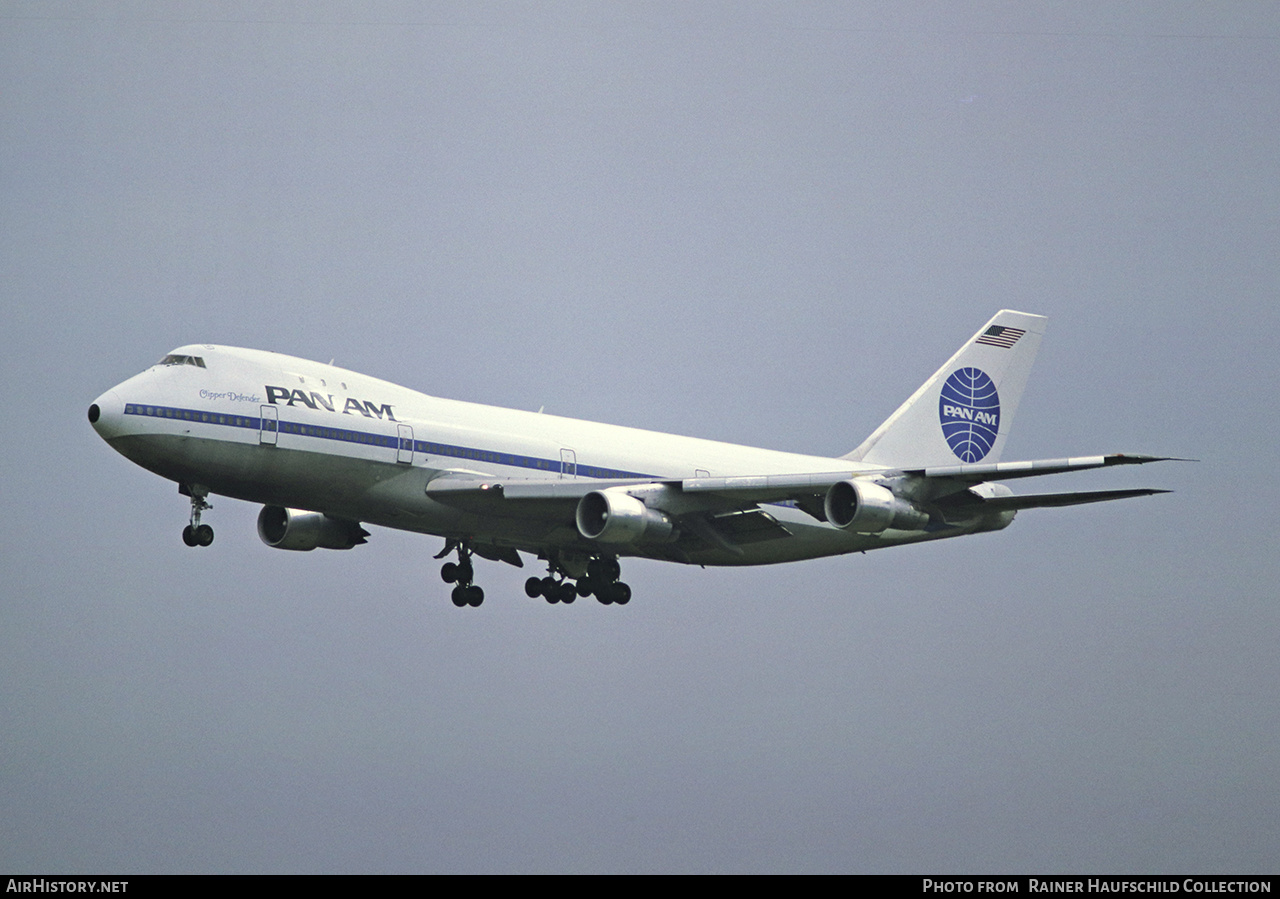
[327,451]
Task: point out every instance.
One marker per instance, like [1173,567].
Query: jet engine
[866,508]
[301,530]
[611,516]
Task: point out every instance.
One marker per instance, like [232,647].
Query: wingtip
[1141,459]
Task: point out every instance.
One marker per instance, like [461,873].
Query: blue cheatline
[347,435]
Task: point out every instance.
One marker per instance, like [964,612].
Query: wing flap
[732,530]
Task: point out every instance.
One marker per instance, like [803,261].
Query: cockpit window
[175,359]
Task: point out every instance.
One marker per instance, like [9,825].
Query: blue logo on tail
[969,411]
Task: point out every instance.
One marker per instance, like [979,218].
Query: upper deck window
[176,359]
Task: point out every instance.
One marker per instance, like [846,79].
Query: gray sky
[761,223]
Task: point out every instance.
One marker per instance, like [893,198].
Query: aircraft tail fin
[964,412]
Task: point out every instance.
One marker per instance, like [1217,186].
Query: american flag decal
[999,335]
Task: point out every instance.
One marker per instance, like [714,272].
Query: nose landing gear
[196,534]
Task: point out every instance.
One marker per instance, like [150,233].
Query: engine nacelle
[301,530]
[611,516]
[866,508]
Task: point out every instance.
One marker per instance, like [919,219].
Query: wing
[726,512]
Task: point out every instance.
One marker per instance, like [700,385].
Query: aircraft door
[404,445]
[568,464]
[268,426]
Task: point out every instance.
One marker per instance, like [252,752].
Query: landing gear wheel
[195,533]
[602,580]
[533,587]
[604,571]
[567,592]
[617,592]
[460,574]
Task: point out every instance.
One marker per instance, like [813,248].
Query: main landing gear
[196,534]
[568,577]
[600,577]
[460,574]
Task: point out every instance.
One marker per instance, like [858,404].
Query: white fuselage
[275,429]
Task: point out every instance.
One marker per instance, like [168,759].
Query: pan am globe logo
[969,411]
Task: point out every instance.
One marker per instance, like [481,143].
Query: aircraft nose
[106,414]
